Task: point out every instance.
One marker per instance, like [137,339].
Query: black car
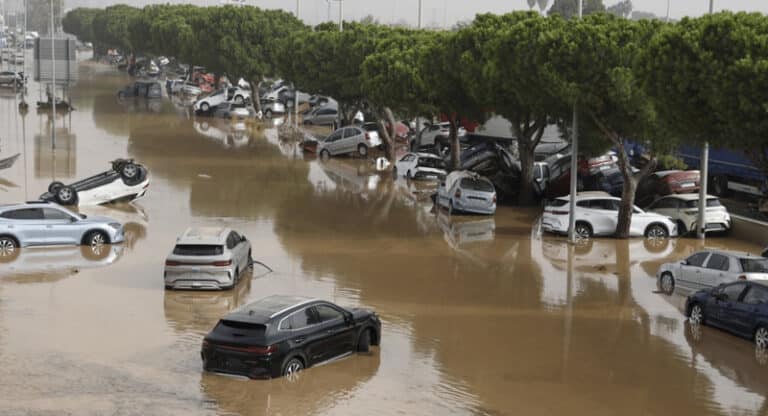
[740,307]
[281,335]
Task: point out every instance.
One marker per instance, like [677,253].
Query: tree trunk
[528,137]
[388,138]
[627,195]
[455,145]
[255,95]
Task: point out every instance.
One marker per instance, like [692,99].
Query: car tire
[239,99]
[696,314]
[450,207]
[205,107]
[362,150]
[325,155]
[9,249]
[130,171]
[656,231]
[292,366]
[583,230]
[66,195]
[761,337]
[364,342]
[54,186]
[667,283]
[681,228]
[95,238]
[408,175]
[268,113]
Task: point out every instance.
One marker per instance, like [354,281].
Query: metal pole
[574,165]
[667,20]
[711,6]
[53,82]
[704,172]
[329,9]
[341,15]
[421,13]
[297,9]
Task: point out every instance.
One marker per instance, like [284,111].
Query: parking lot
[481,315]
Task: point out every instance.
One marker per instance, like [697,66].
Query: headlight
[115,225]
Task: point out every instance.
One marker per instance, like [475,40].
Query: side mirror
[348,318]
[242,238]
[684,262]
[73,219]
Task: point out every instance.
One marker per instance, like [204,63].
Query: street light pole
[421,14]
[574,165]
[341,15]
[53,82]
[297,9]
[701,222]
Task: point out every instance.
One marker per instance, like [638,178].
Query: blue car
[740,307]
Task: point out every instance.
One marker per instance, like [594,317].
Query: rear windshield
[241,329]
[473,184]
[429,162]
[713,202]
[754,265]
[198,250]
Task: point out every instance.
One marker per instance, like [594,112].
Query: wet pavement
[481,316]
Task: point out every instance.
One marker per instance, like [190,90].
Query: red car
[667,182]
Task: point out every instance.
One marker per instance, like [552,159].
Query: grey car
[343,141]
[207,258]
[8,78]
[322,116]
[45,224]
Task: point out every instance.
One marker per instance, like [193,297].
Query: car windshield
[476,184]
[754,265]
[558,203]
[431,162]
[198,250]
[711,202]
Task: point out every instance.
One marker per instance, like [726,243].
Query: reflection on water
[482,316]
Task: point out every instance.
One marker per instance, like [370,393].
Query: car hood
[98,219]
[360,314]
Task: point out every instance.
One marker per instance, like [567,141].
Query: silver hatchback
[207,258]
[346,140]
[47,224]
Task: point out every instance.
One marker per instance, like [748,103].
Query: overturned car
[126,181]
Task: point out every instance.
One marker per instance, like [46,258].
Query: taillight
[494,198]
[457,194]
[205,343]
[743,277]
[261,350]
[172,263]
[559,212]
[222,263]
[367,137]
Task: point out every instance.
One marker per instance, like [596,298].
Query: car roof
[732,253]
[688,197]
[204,235]
[590,195]
[30,204]
[265,309]
[428,155]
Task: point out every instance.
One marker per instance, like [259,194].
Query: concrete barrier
[750,230]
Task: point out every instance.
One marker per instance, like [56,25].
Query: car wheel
[96,239]
[268,113]
[292,367]
[362,150]
[364,343]
[129,171]
[450,207]
[237,276]
[408,175]
[9,248]
[656,232]
[583,230]
[66,195]
[681,228]
[667,283]
[325,154]
[205,107]
[697,315]
[239,100]
[761,337]
[54,186]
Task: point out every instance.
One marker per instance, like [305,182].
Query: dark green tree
[569,8]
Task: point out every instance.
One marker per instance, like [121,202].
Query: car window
[754,265]
[407,158]
[231,242]
[476,184]
[430,162]
[327,313]
[664,203]
[756,295]
[732,292]
[24,214]
[718,262]
[299,319]
[697,259]
[335,136]
[55,214]
[198,250]
[350,132]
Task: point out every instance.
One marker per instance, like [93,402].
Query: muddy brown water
[481,316]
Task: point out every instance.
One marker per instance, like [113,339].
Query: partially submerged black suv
[281,335]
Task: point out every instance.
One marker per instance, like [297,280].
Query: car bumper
[473,208]
[188,279]
[117,237]
[554,225]
[224,361]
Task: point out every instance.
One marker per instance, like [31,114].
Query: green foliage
[621,9]
[79,22]
[39,19]
[569,8]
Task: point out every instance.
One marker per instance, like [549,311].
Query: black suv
[281,335]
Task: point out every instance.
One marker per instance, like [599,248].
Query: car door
[744,313]
[240,249]
[339,333]
[60,227]
[351,139]
[332,142]
[690,276]
[27,225]
[723,311]
[715,271]
[305,333]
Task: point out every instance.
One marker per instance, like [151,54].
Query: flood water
[481,316]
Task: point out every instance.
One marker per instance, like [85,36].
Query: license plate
[687,185]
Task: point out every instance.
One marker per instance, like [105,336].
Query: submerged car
[344,141]
[737,307]
[126,181]
[270,108]
[465,191]
[142,89]
[667,182]
[45,224]
[230,110]
[710,268]
[207,258]
[282,335]
[11,78]
[420,166]
[321,116]
[232,94]
[684,209]
[597,214]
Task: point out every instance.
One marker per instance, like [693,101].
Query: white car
[231,134]
[420,166]
[126,181]
[272,95]
[684,210]
[231,94]
[597,214]
[436,135]
[710,268]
